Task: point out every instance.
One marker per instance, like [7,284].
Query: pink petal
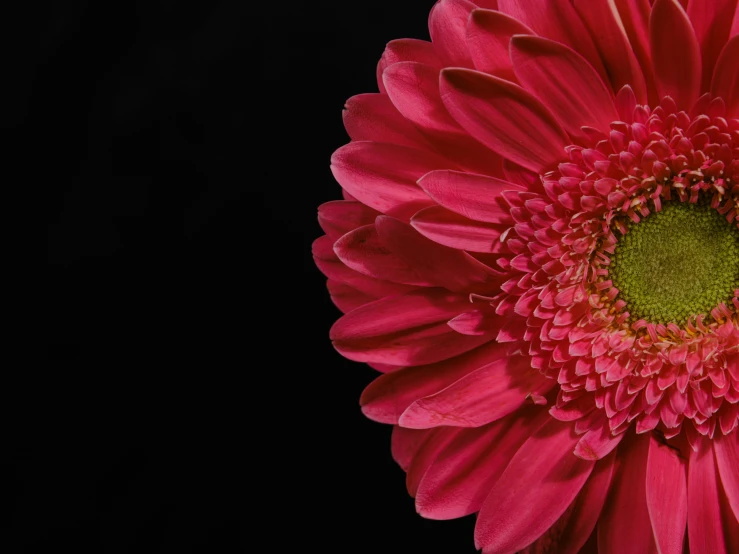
[456,231]
[373,117]
[726,448]
[459,480]
[576,525]
[536,488]
[399,313]
[597,443]
[474,196]
[405,443]
[427,452]
[414,90]
[444,266]
[345,297]
[406,50]
[677,63]
[725,77]
[504,117]
[624,524]
[339,217]
[420,346]
[388,396]
[635,18]
[383,176]
[362,251]
[712,24]
[565,83]
[667,496]
[488,36]
[447,26]
[558,21]
[622,66]
[482,396]
[705,532]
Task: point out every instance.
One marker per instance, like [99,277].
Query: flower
[538,247]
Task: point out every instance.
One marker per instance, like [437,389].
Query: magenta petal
[504,117]
[677,63]
[339,217]
[488,36]
[727,459]
[460,479]
[565,83]
[538,485]
[726,78]
[456,231]
[388,396]
[474,196]
[362,251]
[482,396]
[667,496]
[383,176]
[373,117]
[345,297]
[405,443]
[624,525]
[705,531]
[447,26]
[712,24]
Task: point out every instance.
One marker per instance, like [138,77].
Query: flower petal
[339,217]
[712,24]
[405,443]
[345,297]
[726,448]
[456,231]
[459,480]
[474,196]
[406,50]
[488,36]
[705,532]
[538,485]
[635,18]
[447,26]
[504,117]
[667,496]
[482,396]
[565,83]
[373,117]
[725,81]
[624,525]
[388,396]
[677,63]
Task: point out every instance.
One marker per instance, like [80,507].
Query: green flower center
[682,261]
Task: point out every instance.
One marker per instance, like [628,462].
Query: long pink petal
[727,459]
[576,525]
[536,488]
[373,117]
[388,396]
[399,313]
[677,63]
[383,176]
[479,397]
[461,477]
[504,117]
[447,26]
[624,525]
[558,21]
[635,18]
[667,496]
[456,231]
[362,251]
[488,36]
[339,217]
[420,346]
[474,196]
[427,452]
[413,89]
[452,269]
[609,34]
[345,297]
[705,532]
[565,83]
[726,78]
[712,24]
[405,443]
[406,50]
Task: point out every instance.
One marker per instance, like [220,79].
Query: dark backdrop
[189,399]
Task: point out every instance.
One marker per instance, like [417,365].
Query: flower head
[539,249]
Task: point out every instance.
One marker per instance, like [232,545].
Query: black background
[189,399]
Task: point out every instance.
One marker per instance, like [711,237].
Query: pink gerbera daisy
[538,247]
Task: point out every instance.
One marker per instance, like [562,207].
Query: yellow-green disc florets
[682,261]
